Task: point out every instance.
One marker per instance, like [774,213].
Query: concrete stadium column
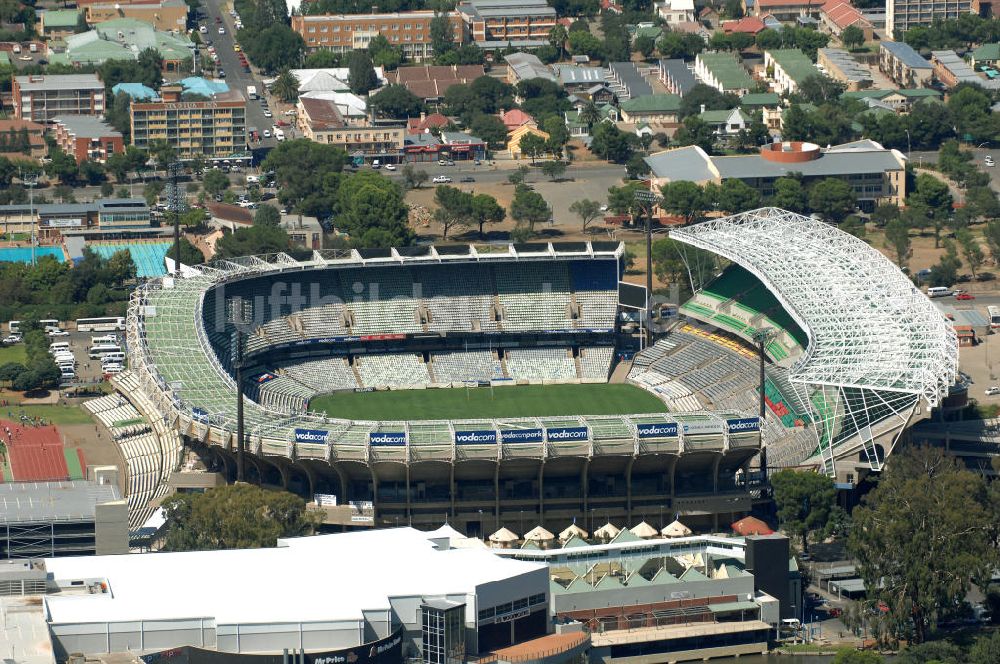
[310,476]
[345,483]
[585,486]
[715,473]
[628,488]
[451,488]
[371,470]
[541,492]
[670,475]
[496,493]
[409,511]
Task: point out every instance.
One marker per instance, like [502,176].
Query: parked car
[57,333]
[13,339]
[222,31]
[468,178]
[989,161]
[965,296]
[441,179]
[390,167]
[990,391]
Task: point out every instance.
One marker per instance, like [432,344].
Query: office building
[62,518]
[875,174]
[41,98]
[409,31]
[215,129]
[87,138]
[495,24]
[164,15]
[901,15]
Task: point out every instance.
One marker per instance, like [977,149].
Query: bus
[99,351]
[109,324]
[994,313]
[14,326]
[252,92]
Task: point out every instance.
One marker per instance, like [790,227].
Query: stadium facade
[854,350]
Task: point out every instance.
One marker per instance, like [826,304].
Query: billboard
[743,425]
[701,427]
[515,436]
[564,434]
[311,435]
[387,438]
[484,437]
[657,430]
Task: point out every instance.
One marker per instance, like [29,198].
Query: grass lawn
[51,414]
[482,402]
[14,353]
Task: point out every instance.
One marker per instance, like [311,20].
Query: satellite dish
[118,7]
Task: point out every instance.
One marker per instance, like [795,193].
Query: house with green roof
[987,54]
[727,122]
[125,39]
[724,72]
[788,68]
[58,23]
[768,104]
[5,58]
[654,109]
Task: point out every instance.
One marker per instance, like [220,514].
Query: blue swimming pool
[147,256]
[23,254]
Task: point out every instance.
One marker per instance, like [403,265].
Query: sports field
[483,402]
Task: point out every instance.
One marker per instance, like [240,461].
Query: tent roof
[504,536]
[751,525]
[644,530]
[607,531]
[571,530]
[538,534]
[676,529]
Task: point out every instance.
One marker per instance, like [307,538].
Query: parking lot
[87,370]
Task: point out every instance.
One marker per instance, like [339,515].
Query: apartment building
[41,98]
[320,120]
[788,68]
[410,31]
[87,138]
[501,23]
[164,15]
[214,129]
[901,15]
[903,65]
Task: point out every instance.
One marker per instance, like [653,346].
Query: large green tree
[529,208]
[370,209]
[252,241]
[239,516]
[685,199]
[395,101]
[897,239]
[805,502]
[833,199]
[361,76]
[922,537]
[307,174]
[933,196]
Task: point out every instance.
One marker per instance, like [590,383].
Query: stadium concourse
[532,314]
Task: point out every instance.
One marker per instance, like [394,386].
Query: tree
[517,176]
[590,115]
[991,234]
[986,650]
[851,656]
[555,127]
[307,175]
[370,209]
[529,208]
[852,37]
[817,89]
[238,516]
[610,143]
[414,177]
[361,78]
[682,45]
[897,238]
[267,215]
[737,196]
[677,263]
[645,45]
[395,101]
[532,145]
[696,131]
[454,208]
[933,196]
[789,194]
[486,210]
[557,38]
[923,491]
[833,199]
[585,43]
[273,46]
[215,181]
[251,241]
[587,210]
[884,213]
[286,86]
[683,198]
[121,268]
[702,95]
[805,502]
[931,652]
[972,252]
[854,225]
[162,153]
[62,166]
[553,169]
[491,129]
[442,34]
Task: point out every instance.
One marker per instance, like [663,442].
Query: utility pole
[239,312]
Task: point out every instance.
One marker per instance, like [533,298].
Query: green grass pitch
[482,402]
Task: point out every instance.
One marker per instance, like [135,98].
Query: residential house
[726,123]
[57,24]
[903,65]
[41,98]
[950,70]
[524,66]
[577,78]
[304,231]
[768,104]
[20,139]
[426,123]
[430,82]
[626,81]
[724,72]
[320,120]
[600,93]
[408,31]
[579,129]
[352,108]
[499,24]
[164,15]
[901,101]
[677,76]
[676,11]
[876,175]
[985,55]
[87,137]
[750,25]
[788,68]
[515,118]
[125,39]
[652,109]
[783,10]
[837,15]
[841,66]
[515,137]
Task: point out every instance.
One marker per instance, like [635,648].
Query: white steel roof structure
[876,344]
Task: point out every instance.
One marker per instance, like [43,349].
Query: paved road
[229,62]
[918,156]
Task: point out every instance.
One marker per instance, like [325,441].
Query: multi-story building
[841,66]
[164,15]
[788,68]
[876,175]
[215,129]
[41,98]
[58,23]
[320,120]
[22,138]
[87,137]
[901,15]
[902,64]
[502,23]
[676,11]
[723,72]
[410,31]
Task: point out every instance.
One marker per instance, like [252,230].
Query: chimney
[423,116]
[702,108]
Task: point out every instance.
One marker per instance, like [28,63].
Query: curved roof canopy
[868,326]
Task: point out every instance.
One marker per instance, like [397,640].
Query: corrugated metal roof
[35,502]
[905,54]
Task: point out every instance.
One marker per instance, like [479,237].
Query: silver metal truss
[876,345]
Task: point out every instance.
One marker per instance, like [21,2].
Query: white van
[63,357]
[113,358]
[58,346]
[938,291]
[106,339]
[67,375]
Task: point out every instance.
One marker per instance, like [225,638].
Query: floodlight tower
[31,181]
[761,338]
[239,312]
[646,199]
[175,202]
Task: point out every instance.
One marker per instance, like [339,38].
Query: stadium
[503,384]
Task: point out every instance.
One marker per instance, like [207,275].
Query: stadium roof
[870,330]
[164,586]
